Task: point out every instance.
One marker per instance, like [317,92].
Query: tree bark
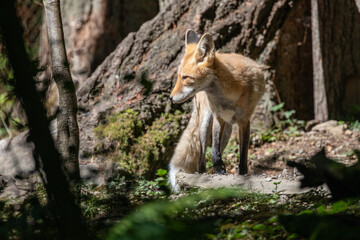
[339,51]
[61,200]
[67,125]
[320,100]
[92,30]
[292,62]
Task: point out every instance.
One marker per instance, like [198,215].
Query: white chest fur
[226,114]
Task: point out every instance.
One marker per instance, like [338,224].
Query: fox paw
[202,168]
[219,170]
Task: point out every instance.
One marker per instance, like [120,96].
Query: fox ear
[205,49]
[191,37]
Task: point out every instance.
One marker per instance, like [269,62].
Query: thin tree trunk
[61,200]
[68,130]
[320,101]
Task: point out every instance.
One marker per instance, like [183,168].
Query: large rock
[16,157]
[17,162]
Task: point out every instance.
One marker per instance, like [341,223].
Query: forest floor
[216,214]
[269,158]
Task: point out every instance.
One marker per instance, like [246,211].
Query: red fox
[232,85]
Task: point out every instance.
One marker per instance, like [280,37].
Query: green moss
[139,150]
[120,130]
[153,147]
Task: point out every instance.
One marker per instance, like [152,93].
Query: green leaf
[277,107]
[293,236]
[321,209]
[159,179]
[277,183]
[305,212]
[273,219]
[337,207]
[288,114]
[3,98]
[259,226]
[161,172]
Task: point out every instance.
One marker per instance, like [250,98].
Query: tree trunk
[30,16]
[60,198]
[320,100]
[67,125]
[292,62]
[339,55]
[92,30]
[140,73]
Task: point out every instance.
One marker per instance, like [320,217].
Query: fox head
[195,72]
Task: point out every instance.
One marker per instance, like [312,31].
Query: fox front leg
[244,137]
[217,130]
[205,130]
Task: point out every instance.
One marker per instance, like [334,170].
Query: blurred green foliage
[285,126]
[8,122]
[160,220]
[209,214]
[339,220]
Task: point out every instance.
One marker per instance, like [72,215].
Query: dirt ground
[269,159]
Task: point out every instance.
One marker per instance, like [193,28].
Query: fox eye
[186,77]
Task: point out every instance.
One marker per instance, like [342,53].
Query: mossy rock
[119,131]
[139,150]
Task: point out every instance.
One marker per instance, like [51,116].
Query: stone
[348,132]
[325,126]
[16,157]
[336,131]
[90,174]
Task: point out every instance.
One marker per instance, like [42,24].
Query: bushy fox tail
[188,150]
[194,140]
